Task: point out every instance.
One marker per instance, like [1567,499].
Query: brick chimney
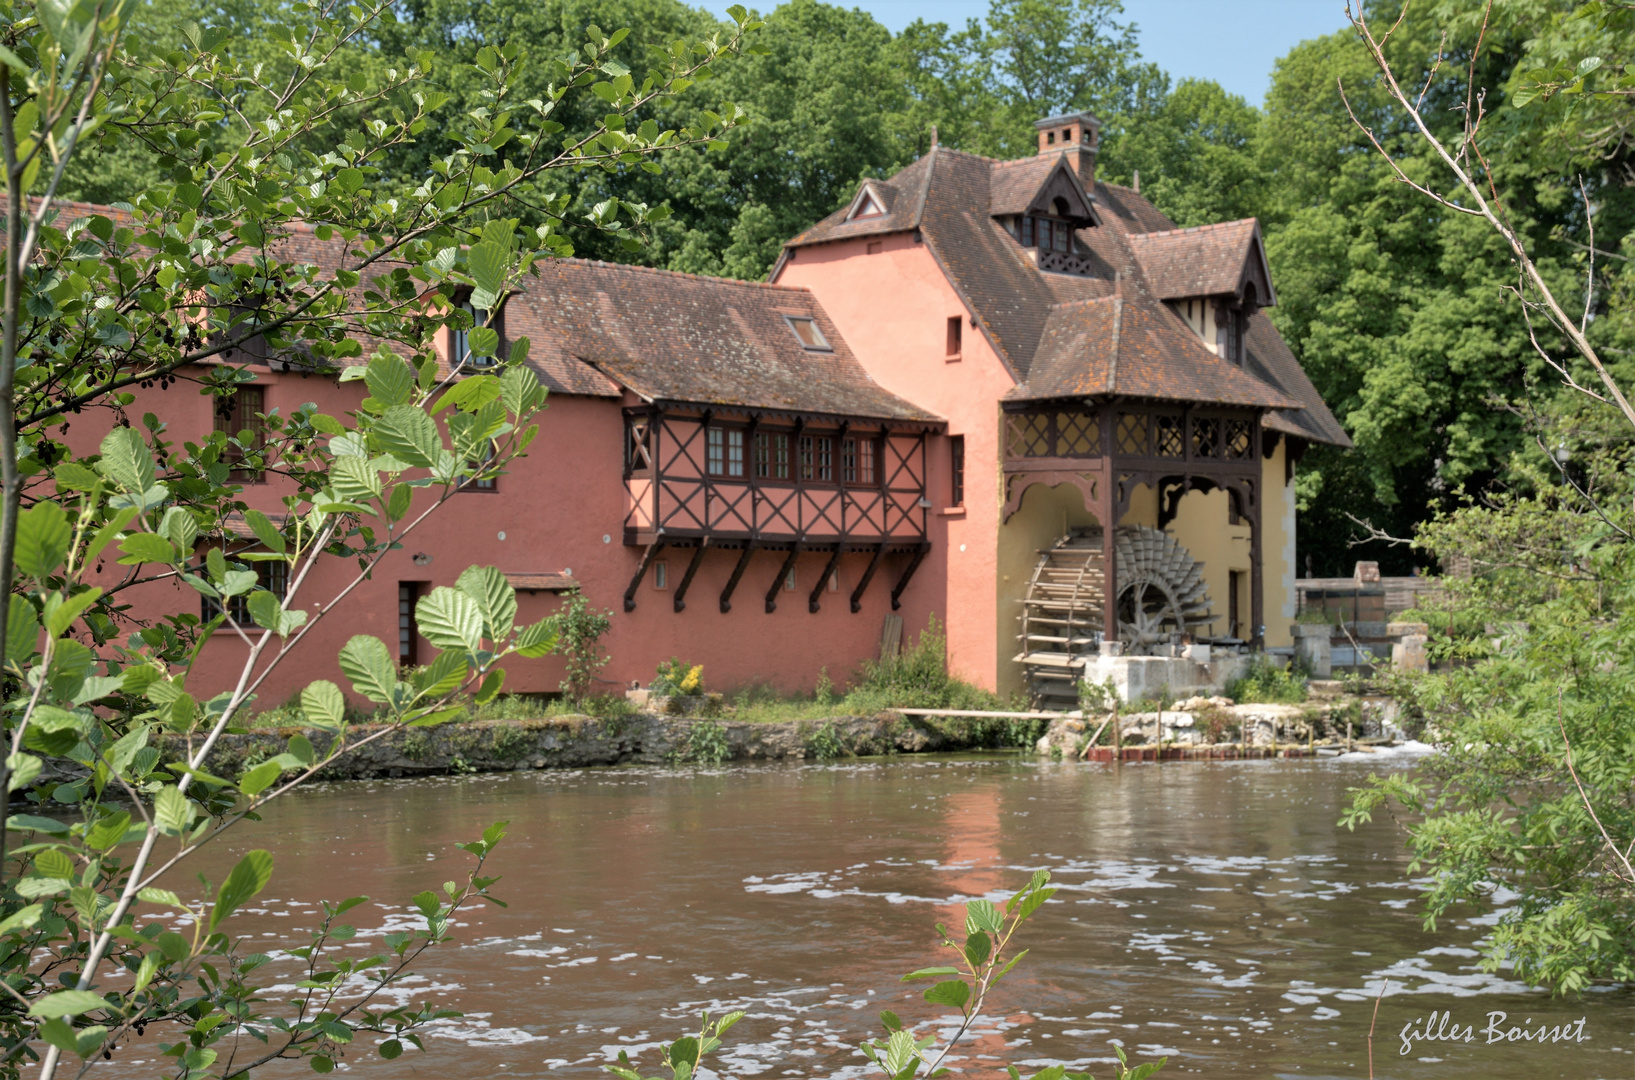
[1078,134]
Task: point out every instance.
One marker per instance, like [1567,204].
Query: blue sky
[1234,42]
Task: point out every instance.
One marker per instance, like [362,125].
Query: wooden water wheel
[1160,592]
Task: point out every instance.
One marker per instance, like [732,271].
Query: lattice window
[638,450]
[1206,437]
[1238,442]
[1029,435]
[1132,433]
[1077,435]
[1171,440]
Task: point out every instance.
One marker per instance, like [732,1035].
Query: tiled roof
[1108,347]
[707,341]
[526,581]
[1055,332]
[1209,260]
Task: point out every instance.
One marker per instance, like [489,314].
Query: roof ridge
[632,268]
[1194,228]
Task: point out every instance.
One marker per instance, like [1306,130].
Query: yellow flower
[694,678]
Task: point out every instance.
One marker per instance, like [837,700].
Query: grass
[1264,683]
[504,707]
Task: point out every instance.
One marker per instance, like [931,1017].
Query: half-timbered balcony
[693,477]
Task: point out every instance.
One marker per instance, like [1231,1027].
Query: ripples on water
[1211,912]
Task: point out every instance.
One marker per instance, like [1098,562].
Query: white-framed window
[460,340]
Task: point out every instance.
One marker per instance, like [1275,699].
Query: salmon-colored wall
[560,508]
[893,307]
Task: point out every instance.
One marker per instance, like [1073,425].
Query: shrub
[1266,683]
[916,678]
[707,744]
[579,629]
[676,679]
[826,744]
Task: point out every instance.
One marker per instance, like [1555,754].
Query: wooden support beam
[641,571]
[868,576]
[908,574]
[737,575]
[812,604]
[687,578]
[783,572]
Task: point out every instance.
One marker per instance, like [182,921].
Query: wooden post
[1348,746]
[1118,734]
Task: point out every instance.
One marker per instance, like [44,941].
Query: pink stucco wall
[562,507]
[893,307]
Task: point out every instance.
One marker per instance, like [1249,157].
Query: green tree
[242,144]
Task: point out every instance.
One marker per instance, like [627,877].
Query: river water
[1209,912]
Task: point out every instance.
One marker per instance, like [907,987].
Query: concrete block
[1312,646]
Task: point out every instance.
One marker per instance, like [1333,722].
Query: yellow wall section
[1278,549]
[1201,527]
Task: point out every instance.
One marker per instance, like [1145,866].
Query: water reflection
[1211,912]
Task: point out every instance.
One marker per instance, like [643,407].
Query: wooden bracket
[641,571]
[737,574]
[687,578]
[812,604]
[783,572]
[908,573]
[868,576]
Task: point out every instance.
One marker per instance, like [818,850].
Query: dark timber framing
[783,575]
[1109,447]
[801,491]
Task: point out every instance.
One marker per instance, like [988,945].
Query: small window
[771,455]
[834,581]
[661,575]
[239,418]
[857,462]
[817,459]
[724,451]
[956,461]
[789,580]
[1060,235]
[1050,138]
[806,330]
[876,246]
[1027,232]
[460,340]
[955,325]
[408,633]
[271,576]
[868,207]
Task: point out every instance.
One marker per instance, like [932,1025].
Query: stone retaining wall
[580,741]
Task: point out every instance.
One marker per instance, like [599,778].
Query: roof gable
[1227,259]
[1033,185]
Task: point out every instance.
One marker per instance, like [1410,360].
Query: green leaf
[977,948]
[323,705]
[60,616]
[490,687]
[365,661]
[930,973]
[890,1021]
[249,877]
[398,504]
[53,863]
[108,832]
[1032,901]
[265,530]
[409,435]
[901,1052]
[389,378]
[68,1003]
[180,529]
[24,769]
[21,919]
[43,536]
[270,613]
[450,619]
[983,915]
[496,599]
[142,548]
[955,992]
[538,639]
[355,479]
[261,777]
[126,460]
[173,811]
[22,631]
[390,1049]
[163,897]
[488,263]
[484,341]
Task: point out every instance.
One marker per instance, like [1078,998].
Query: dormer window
[1047,234]
[867,207]
[807,333]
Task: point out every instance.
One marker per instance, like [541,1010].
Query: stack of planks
[1062,618]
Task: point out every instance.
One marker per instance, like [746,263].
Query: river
[1209,912]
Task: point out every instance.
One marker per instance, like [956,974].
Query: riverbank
[576,742]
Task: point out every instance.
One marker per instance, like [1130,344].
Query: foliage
[579,629]
[706,744]
[916,678]
[253,151]
[676,679]
[1097,697]
[1265,682]
[981,960]
[825,743]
